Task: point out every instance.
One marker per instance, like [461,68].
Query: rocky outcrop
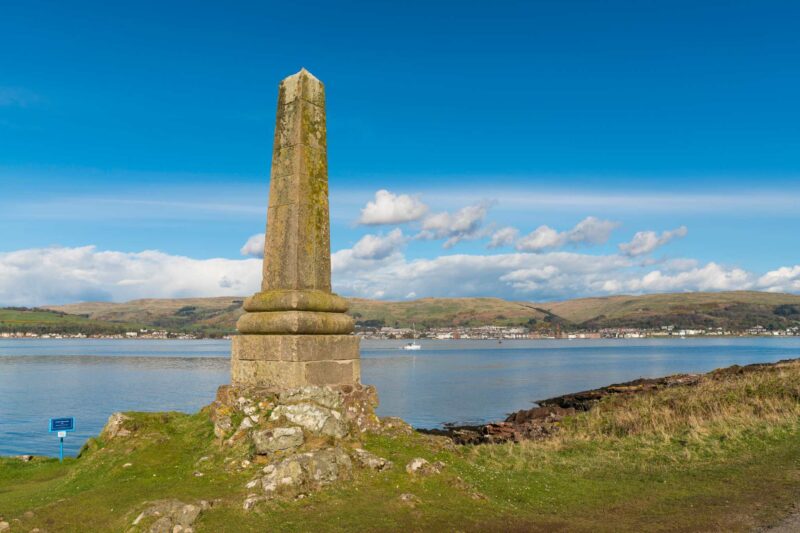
[531,424]
[421,467]
[115,427]
[281,439]
[370,460]
[301,439]
[312,418]
[585,400]
[305,472]
[171,516]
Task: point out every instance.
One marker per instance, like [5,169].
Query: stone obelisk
[295,331]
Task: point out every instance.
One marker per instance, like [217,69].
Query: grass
[723,455]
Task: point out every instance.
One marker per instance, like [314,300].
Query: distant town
[141,334]
[451,333]
[511,333]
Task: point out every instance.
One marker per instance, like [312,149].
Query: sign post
[61,426]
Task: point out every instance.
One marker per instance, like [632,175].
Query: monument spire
[294,332]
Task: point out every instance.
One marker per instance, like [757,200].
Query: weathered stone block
[295,300]
[297,252]
[295,347]
[292,374]
[293,361]
[313,418]
[295,322]
[269,441]
[299,122]
[333,372]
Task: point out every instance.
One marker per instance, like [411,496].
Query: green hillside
[737,310]
[47,321]
[209,316]
[443,312]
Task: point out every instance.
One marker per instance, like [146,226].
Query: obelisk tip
[303,73]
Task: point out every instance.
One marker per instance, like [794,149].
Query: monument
[295,331]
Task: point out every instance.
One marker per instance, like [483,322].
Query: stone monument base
[290,361]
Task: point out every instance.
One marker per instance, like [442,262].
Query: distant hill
[220,314]
[209,316]
[443,312]
[736,310]
[46,321]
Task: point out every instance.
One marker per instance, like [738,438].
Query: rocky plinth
[297,440]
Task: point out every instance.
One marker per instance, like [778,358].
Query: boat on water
[413,345]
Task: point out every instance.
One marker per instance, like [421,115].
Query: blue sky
[146,128]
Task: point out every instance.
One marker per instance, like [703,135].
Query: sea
[449,381]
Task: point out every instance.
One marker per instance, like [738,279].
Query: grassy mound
[723,454]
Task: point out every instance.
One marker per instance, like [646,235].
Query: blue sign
[62,424]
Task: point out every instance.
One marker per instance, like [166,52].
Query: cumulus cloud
[379,246]
[711,277]
[541,238]
[534,276]
[254,246]
[645,242]
[592,230]
[371,254]
[464,224]
[503,237]
[62,275]
[390,208]
[589,231]
[784,279]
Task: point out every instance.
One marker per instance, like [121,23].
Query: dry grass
[661,429]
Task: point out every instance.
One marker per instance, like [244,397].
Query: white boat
[413,345]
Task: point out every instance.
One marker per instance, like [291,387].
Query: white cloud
[533,276]
[711,277]
[645,242]
[379,246]
[60,275]
[372,269]
[369,254]
[503,237]
[464,224]
[390,208]
[541,238]
[590,230]
[254,246]
[784,279]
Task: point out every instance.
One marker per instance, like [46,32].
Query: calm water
[446,381]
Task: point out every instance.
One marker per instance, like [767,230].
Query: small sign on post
[61,426]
